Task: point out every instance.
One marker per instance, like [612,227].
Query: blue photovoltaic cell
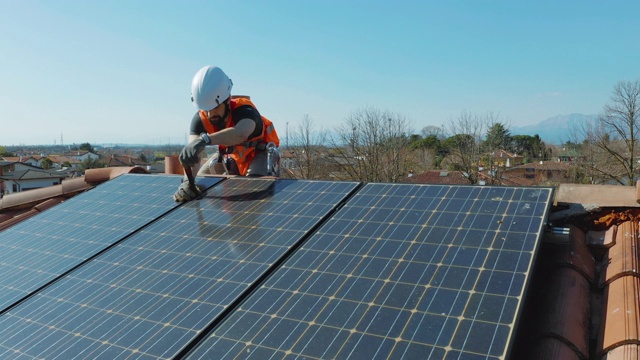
[36,251]
[401,271]
[153,293]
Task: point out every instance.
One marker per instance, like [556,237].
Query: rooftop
[578,299]
[32,174]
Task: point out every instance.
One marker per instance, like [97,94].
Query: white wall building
[21,180]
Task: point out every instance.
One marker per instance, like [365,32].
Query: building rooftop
[32,174]
[579,298]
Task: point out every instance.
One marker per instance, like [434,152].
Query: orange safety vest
[243,153]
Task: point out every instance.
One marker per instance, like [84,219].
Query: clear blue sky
[120,71]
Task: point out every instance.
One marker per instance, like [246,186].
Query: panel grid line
[152,294]
[45,247]
[370,293]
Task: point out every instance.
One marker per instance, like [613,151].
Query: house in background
[29,160]
[22,180]
[8,167]
[61,161]
[81,155]
[504,159]
[570,155]
[541,172]
[126,160]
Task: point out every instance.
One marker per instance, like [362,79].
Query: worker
[247,142]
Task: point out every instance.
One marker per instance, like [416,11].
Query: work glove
[185,193]
[190,154]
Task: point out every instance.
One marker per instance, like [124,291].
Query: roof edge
[598,195]
[68,187]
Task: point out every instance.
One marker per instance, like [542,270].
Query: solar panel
[36,251]
[153,293]
[401,271]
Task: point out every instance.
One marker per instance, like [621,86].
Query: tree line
[376,145]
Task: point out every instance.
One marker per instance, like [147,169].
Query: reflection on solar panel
[150,295]
[36,251]
[401,271]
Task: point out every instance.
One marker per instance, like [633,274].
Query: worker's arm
[192,153]
[233,135]
[196,167]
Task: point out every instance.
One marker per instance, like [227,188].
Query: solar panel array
[156,291]
[36,251]
[263,268]
[401,271]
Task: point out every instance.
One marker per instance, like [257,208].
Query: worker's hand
[185,193]
[190,154]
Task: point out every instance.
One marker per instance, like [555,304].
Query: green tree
[498,138]
[430,146]
[464,144]
[4,152]
[87,146]
[91,163]
[47,163]
[531,147]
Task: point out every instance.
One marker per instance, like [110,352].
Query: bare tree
[395,152]
[371,146]
[465,141]
[612,140]
[430,130]
[308,150]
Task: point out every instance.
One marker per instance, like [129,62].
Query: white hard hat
[210,87]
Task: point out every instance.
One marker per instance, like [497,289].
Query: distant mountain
[555,130]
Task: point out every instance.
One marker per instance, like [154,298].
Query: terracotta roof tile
[510,180]
[623,352]
[16,207]
[125,160]
[558,304]
[61,159]
[576,254]
[564,309]
[602,238]
[18,216]
[621,322]
[622,257]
